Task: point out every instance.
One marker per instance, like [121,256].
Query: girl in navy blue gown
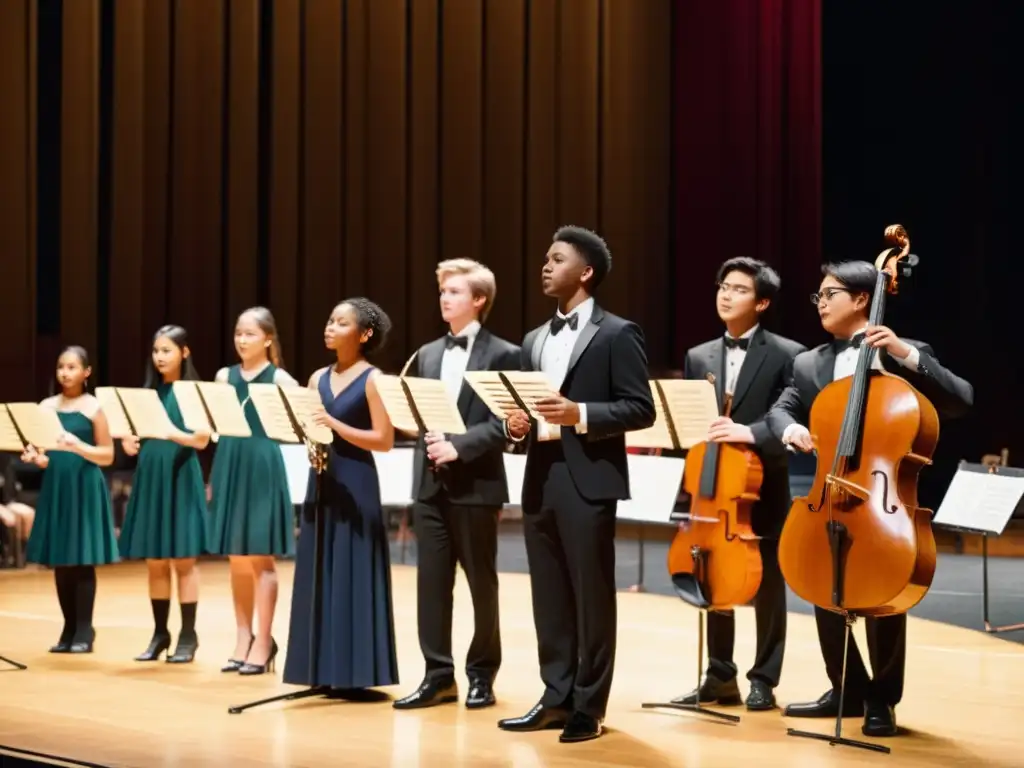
[357,634]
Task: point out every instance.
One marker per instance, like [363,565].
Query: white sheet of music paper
[980,501]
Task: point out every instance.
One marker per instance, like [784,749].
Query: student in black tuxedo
[754,366]
[844,302]
[459,499]
[597,363]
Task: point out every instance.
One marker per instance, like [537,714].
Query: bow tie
[456,341]
[731,343]
[558,323]
[841,345]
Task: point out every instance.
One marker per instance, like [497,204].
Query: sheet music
[437,409]
[396,403]
[228,415]
[10,441]
[147,412]
[980,500]
[692,405]
[658,435]
[190,403]
[304,403]
[273,414]
[531,386]
[39,424]
[117,420]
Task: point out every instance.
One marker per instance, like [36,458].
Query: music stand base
[834,740]
[319,690]
[16,664]
[991,628]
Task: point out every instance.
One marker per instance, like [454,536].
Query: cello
[715,561]
[859,543]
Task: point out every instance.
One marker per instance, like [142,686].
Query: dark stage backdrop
[180,161]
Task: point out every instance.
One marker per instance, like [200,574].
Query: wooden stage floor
[964,700]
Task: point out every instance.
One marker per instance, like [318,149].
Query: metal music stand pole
[319,465]
[16,664]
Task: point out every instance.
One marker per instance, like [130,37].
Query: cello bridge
[851,489]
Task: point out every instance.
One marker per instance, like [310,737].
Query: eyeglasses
[739,290]
[828,294]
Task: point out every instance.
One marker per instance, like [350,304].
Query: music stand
[981,499]
[22,425]
[286,414]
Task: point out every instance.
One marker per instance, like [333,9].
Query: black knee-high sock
[64,577]
[188,621]
[85,600]
[161,610]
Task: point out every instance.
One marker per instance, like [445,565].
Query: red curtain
[747,155]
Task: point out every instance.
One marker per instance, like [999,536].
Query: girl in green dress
[165,522]
[74,526]
[251,514]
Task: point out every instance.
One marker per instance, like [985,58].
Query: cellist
[844,301]
[753,366]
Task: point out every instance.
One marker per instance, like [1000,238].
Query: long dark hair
[83,358]
[178,336]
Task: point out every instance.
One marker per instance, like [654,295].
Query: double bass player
[843,301]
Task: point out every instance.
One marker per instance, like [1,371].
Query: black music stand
[688,587]
[981,500]
[18,666]
[319,465]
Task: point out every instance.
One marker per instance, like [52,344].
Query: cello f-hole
[885,492]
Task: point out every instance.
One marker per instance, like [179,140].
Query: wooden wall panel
[285,160]
[241,151]
[79,190]
[294,152]
[17,170]
[323,174]
[127,336]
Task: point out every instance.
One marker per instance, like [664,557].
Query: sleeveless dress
[166,515]
[74,522]
[251,509]
[357,632]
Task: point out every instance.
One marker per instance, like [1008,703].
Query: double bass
[859,543]
[715,562]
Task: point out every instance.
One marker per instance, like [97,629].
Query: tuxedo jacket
[607,372]
[767,369]
[951,395]
[477,477]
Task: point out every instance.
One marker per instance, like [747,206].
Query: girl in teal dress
[74,526]
[251,515]
[165,523]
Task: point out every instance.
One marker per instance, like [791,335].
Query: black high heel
[234,665]
[64,643]
[159,644]
[185,652]
[260,669]
[84,646]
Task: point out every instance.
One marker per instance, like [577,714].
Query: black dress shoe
[826,706]
[481,694]
[83,642]
[429,694]
[879,720]
[761,696]
[539,718]
[712,691]
[185,652]
[157,645]
[581,727]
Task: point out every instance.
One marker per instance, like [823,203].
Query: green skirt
[251,511]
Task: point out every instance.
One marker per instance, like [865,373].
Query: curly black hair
[370,317]
[591,246]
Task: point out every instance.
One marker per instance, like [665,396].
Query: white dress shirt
[455,359]
[734,357]
[554,357]
[846,365]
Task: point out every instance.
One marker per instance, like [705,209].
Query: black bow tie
[731,343]
[558,323]
[456,341]
[841,345]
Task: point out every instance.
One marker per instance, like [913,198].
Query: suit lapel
[824,367]
[539,337]
[586,336]
[477,362]
[430,365]
[756,354]
[715,362]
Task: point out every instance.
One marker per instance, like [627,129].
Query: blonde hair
[480,278]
